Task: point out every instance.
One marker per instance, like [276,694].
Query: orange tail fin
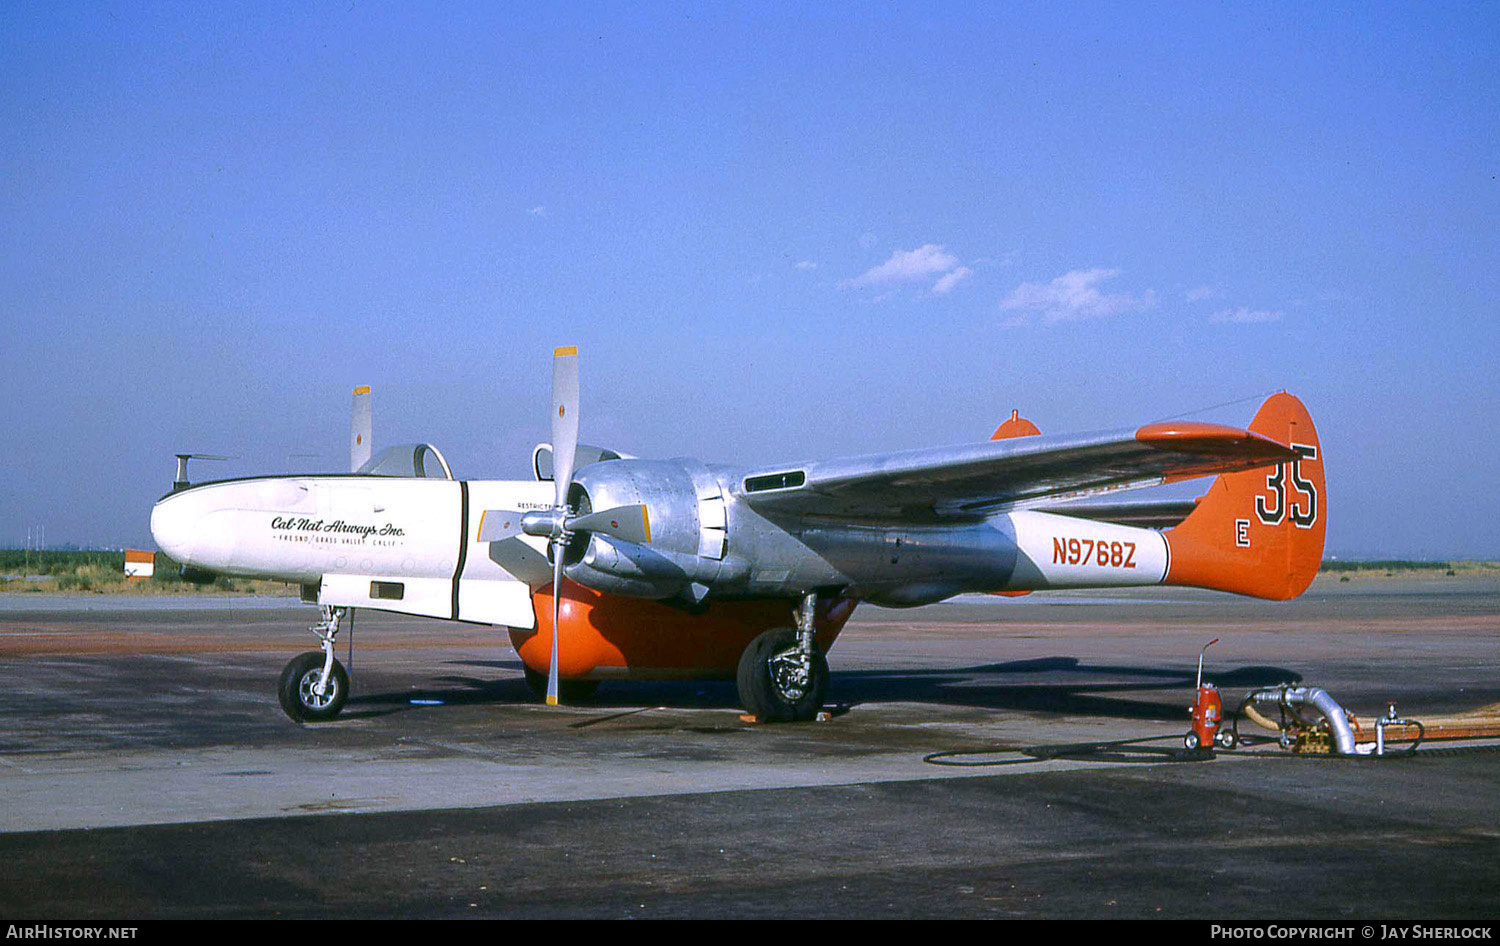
[1014,426]
[1260,532]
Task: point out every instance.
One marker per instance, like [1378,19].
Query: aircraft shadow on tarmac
[1099,691]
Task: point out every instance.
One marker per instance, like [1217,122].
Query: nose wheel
[299,692]
[315,686]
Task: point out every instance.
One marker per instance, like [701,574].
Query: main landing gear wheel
[569,691]
[776,683]
[299,684]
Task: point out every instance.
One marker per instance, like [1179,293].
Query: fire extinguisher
[1207,712]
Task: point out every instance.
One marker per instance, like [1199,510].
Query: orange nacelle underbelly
[609,636]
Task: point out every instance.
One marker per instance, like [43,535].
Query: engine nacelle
[637,571]
[670,564]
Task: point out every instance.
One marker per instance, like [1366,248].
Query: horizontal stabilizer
[1145,513]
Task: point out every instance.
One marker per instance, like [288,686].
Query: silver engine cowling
[688,529]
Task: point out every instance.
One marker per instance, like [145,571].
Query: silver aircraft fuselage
[411,544]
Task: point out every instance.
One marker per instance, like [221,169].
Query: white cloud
[807,264]
[945,285]
[1199,294]
[538,211]
[1245,315]
[1075,295]
[924,262]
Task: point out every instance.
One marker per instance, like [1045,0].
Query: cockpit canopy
[408,459]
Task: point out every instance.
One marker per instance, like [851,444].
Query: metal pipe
[1391,719]
[1319,699]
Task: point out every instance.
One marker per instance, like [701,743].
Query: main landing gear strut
[314,686]
[783,677]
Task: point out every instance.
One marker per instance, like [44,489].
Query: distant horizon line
[1383,556]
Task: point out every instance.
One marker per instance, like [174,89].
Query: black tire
[568,691]
[1227,739]
[1190,740]
[297,681]
[766,699]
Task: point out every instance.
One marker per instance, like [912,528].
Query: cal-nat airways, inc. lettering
[304,524]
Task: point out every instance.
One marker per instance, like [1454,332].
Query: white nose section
[173,522]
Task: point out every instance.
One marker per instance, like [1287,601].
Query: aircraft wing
[975,480]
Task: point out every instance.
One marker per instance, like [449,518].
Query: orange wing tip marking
[565,351]
[1198,437]
[362,389]
[646,523]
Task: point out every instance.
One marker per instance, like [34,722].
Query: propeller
[181,482]
[564,448]
[561,523]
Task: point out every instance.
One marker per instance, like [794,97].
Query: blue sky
[775,232]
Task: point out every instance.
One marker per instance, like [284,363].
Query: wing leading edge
[976,480]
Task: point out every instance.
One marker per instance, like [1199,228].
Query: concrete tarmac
[146,770]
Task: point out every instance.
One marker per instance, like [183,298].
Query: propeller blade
[497,525]
[564,419]
[181,482]
[564,451]
[557,569]
[630,523]
[360,424]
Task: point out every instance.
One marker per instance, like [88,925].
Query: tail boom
[1257,532]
